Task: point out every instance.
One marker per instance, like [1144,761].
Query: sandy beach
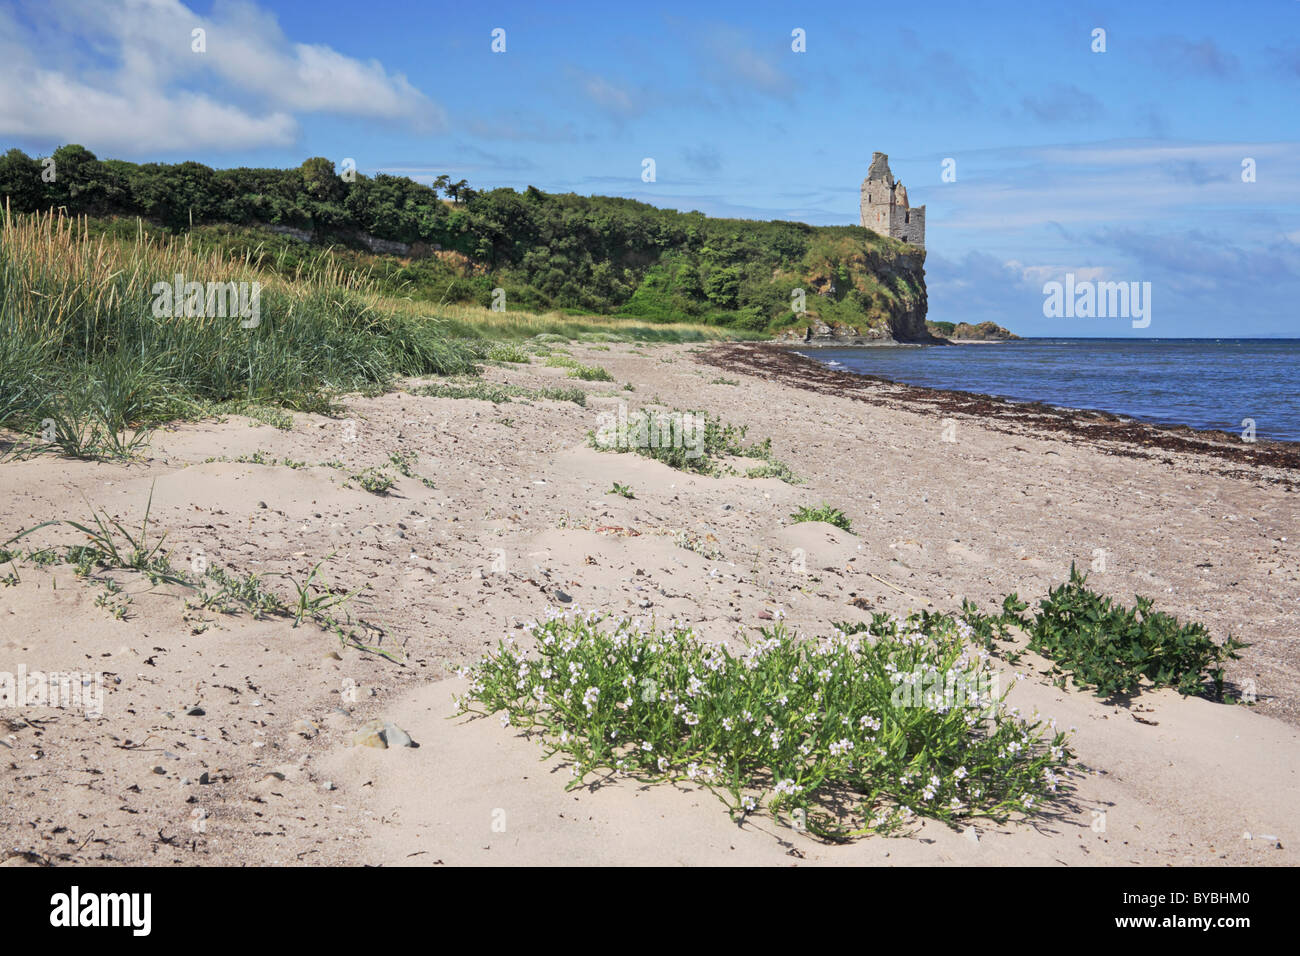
[226,739]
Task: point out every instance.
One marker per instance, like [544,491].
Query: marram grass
[844,735]
[84,360]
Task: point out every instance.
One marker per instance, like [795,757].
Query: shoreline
[783,362]
[503,512]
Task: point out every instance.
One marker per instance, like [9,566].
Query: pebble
[381,734]
[370,734]
[396,736]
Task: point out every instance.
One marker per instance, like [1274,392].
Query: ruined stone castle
[884,205]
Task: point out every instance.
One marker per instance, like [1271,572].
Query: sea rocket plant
[790,724]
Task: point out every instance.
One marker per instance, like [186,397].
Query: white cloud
[146,89]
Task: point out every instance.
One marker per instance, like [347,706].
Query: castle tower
[884,207]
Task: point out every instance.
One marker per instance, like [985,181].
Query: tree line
[549,250]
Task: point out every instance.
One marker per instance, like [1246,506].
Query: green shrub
[508,352]
[823,513]
[774,469]
[1101,644]
[840,731]
[590,373]
[687,441]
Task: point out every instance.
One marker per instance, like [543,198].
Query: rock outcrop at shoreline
[966,332]
[822,334]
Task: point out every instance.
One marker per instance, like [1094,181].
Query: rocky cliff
[860,289]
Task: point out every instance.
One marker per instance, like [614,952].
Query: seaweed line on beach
[1143,440]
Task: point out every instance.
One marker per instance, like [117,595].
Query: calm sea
[1205,383]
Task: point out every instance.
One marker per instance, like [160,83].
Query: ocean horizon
[1231,384]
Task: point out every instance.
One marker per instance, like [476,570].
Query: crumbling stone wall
[884,208]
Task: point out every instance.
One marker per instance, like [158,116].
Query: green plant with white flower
[816,729]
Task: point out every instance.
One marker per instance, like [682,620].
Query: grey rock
[396,736]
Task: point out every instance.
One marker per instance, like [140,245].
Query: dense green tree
[549,250]
[20,181]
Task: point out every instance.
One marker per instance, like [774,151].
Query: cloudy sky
[1125,164]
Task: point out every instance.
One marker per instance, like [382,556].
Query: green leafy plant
[823,513]
[774,469]
[404,462]
[374,480]
[314,599]
[835,731]
[498,393]
[508,352]
[590,373]
[623,490]
[1104,645]
[238,591]
[1099,643]
[688,441]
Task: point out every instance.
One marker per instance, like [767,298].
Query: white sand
[1179,780]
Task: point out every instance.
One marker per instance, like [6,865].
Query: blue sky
[1124,165]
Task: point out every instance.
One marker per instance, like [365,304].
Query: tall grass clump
[85,359]
[850,733]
